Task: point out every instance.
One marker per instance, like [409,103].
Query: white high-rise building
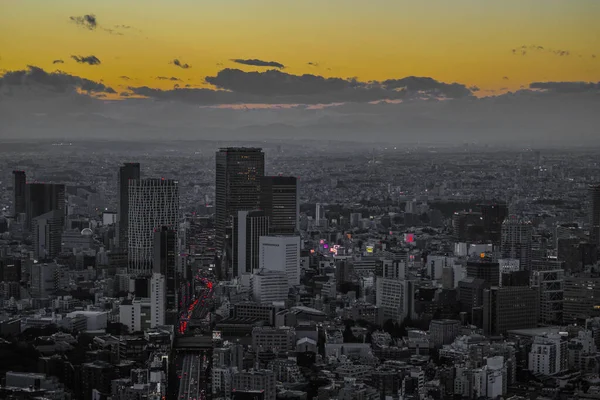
[281,253]
[136,314]
[153,203]
[549,354]
[269,286]
[158,299]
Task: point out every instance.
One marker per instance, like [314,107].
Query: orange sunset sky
[494,45]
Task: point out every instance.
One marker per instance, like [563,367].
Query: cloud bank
[60,82]
[258,63]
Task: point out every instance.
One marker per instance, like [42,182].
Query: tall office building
[517,240]
[47,234]
[248,227]
[508,308]
[269,286]
[493,216]
[153,204]
[19,192]
[127,172]
[41,198]
[158,299]
[594,214]
[281,253]
[279,200]
[237,188]
[165,263]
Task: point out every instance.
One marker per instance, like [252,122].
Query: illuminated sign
[216,335]
[482,255]
[369,249]
[409,237]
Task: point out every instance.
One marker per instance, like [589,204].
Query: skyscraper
[153,203]
[493,215]
[41,198]
[516,241]
[127,172]
[279,200]
[281,253]
[594,214]
[47,233]
[19,192]
[237,187]
[165,263]
[248,227]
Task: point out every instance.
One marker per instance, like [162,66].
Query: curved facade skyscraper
[153,204]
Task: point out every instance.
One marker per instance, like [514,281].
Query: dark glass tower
[517,240]
[165,262]
[41,198]
[279,201]
[237,188]
[19,192]
[129,171]
[493,216]
[594,212]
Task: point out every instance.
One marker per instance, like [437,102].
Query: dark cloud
[474,89]
[179,64]
[523,50]
[166,78]
[505,78]
[566,87]
[91,60]
[593,56]
[426,84]
[58,62]
[258,63]
[275,87]
[124,94]
[176,86]
[125,78]
[87,21]
[55,81]
[312,64]
[123,27]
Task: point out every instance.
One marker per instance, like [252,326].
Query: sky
[465,41]
[323,55]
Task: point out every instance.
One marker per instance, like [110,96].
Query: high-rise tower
[248,227]
[493,215]
[517,240]
[153,204]
[165,262]
[594,214]
[237,188]
[127,172]
[279,201]
[41,198]
[19,192]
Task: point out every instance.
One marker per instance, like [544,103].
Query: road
[200,304]
[191,380]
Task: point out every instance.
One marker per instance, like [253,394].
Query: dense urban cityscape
[281,270]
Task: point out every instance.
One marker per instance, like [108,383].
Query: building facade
[153,204]
[127,172]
